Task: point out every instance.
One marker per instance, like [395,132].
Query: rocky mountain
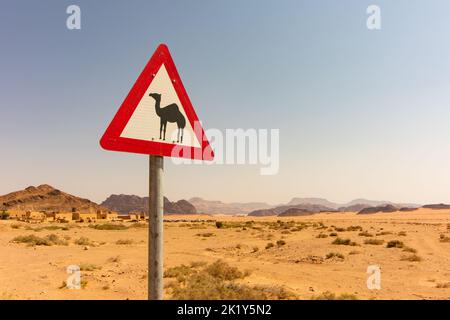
[46,198]
[311,208]
[295,212]
[125,204]
[437,206]
[316,201]
[386,208]
[355,205]
[219,207]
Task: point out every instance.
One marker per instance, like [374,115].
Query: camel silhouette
[169,113]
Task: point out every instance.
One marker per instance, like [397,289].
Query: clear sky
[361,113]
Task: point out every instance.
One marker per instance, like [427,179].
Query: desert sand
[298,262]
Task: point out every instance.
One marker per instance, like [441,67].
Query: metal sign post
[155,228]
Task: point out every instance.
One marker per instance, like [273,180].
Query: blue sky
[361,113]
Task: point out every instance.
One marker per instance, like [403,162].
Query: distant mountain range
[303,206]
[47,198]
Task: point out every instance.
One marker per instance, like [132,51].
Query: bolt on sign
[157,117]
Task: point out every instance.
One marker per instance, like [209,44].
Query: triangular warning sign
[157,116]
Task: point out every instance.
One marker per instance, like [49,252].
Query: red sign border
[111,139]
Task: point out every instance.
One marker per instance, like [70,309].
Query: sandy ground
[38,272]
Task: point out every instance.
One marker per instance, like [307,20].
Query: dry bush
[345,242]
[33,240]
[269,245]
[124,241]
[219,224]
[354,228]
[445,285]
[334,255]
[333,234]
[83,241]
[402,234]
[444,238]
[50,228]
[205,234]
[395,244]
[115,259]
[89,267]
[412,258]
[374,241]
[108,226]
[409,249]
[216,281]
[281,243]
[365,234]
[322,235]
[327,295]
[383,233]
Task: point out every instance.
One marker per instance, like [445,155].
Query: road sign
[157,117]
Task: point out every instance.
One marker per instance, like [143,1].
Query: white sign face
[160,116]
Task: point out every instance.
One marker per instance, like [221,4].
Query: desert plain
[321,256]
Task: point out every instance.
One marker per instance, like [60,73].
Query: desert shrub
[338,229]
[33,240]
[219,224]
[255,249]
[216,281]
[332,255]
[412,258]
[138,225]
[181,272]
[333,234]
[16,225]
[281,243]
[409,249]
[83,241]
[269,245]
[221,270]
[322,235]
[383,233]
[108,226]
[115,259]
[354,252]
[124,241]
[395,244]
[365,234]
[445,285]
[345,242]
[444,238]
[89,267]
[402,234]
[327,295]
[49,228]
[374,241]
[4,215]
[205,234]
[354,228]
[197,264]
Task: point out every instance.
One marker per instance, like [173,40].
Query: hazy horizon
[361,113]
